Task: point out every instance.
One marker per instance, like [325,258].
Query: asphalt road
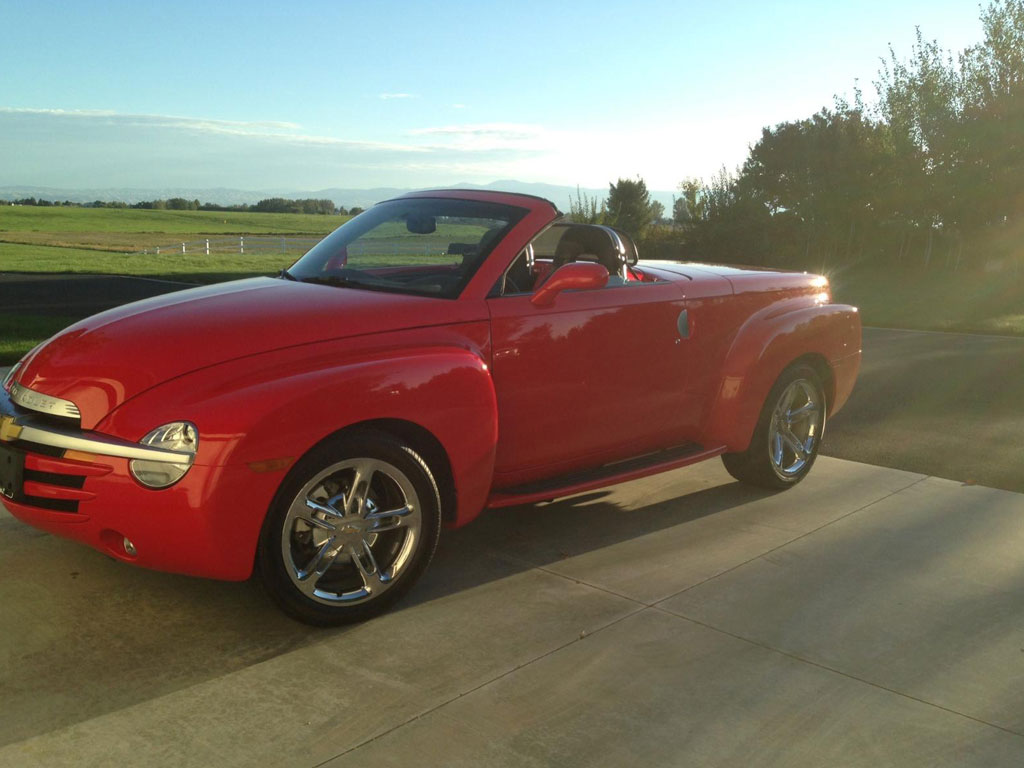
[943,404]
[76,296]
[948,405]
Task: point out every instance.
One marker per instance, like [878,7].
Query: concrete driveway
[868,617]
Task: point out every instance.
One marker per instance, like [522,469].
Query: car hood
[104,360]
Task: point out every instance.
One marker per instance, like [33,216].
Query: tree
[584,210]
[920,100]
[629,206]
[993,118]
[822,180]
[686,207]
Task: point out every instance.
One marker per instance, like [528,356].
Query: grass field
[935,300]
[129,221]
[19,333]
[109,241]
[189,267]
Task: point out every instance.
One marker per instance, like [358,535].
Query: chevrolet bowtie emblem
[9,429]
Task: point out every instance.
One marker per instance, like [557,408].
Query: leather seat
[582,242]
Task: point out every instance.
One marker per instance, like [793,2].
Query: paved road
[943,404]
[75,296]
[867,617]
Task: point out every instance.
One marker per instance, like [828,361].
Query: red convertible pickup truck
[440,354]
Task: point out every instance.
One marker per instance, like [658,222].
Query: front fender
[764,346]
[260,415]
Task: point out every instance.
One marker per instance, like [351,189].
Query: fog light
[129,548]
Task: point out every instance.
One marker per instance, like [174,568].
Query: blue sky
[304,96]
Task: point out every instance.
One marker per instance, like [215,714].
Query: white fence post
[182,247]
[207,246]
[241,245]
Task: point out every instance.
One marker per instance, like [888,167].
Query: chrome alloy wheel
[795,428]
[351,531]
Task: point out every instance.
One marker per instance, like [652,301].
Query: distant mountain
[218,195]
[364,198]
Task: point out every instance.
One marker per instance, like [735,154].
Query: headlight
[179,436]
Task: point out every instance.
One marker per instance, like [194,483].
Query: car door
[599,375]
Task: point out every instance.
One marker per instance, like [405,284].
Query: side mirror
[576,276]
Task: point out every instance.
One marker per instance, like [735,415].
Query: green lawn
[188,267]
[107,241]
[27,218]
[937,300]
[19,333]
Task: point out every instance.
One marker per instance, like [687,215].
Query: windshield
[428,246]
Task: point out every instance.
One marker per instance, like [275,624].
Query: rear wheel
[788,433]
[352,527]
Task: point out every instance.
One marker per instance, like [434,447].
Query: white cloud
[204,123]
[273,130]
[487,137]
[390,96]
[50,142]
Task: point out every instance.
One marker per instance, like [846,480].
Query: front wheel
[788,433]
[352,527]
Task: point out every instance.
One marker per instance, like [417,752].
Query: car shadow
[540,535]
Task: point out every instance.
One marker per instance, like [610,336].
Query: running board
[602,477]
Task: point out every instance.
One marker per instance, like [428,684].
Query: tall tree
[993,120]
[686,208]
[920,100]
[629,206]
[821,179]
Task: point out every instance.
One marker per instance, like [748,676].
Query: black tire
[772,460]
[351,529]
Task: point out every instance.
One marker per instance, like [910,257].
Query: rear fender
[765,345]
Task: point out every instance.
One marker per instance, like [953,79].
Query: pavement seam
[547,569]
[839,672]
[583,635]
[792,541]
[656,603]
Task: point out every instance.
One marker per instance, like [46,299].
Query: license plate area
[12,472]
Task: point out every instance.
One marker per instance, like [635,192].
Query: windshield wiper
[347,282]
[284,273]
